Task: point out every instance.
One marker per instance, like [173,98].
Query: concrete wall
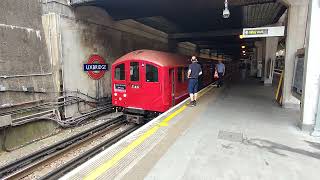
[76,34]
[311,91]
[24,62]
[271,47]
[23,52]
[296,35]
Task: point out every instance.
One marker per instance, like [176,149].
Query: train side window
[134,71]
[180,74]
[151,73]
[119,73]
[186,73]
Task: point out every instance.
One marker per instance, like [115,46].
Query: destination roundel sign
[95,67]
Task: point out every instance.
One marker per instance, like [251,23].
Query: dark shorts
[220,80]
[193,86]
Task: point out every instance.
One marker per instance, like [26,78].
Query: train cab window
[151,73]
[119,73]
[134,71]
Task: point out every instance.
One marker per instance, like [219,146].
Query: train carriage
[147,81]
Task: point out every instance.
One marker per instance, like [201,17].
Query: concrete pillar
[316,131]
[254,64]
[259,46]
[296,30]
[311,65]
[271,47]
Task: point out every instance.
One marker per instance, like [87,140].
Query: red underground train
[147,82]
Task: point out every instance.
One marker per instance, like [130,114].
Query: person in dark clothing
[221,71]
[193,73]
[243,69]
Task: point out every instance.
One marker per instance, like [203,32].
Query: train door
[172,85]
[134,85]
[152,86]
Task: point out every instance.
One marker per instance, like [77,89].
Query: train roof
[157,57]
[160,58]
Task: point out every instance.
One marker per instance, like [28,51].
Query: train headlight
[124,95]
[115,94]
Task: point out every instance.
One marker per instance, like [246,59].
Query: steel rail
[26,162]
[69,166]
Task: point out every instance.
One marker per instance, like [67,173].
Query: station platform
[235,132]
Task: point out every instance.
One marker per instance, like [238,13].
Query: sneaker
[194,103]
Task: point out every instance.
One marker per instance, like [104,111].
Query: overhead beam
[81,2]
[196,35]
[210,46]
[231,2]
[224,45]
[249,2]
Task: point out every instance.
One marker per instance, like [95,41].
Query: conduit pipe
[24,75]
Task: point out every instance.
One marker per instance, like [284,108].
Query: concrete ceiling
[196,20]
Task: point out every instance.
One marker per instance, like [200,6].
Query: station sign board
[95,67]
[263,32]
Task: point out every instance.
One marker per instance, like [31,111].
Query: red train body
[153,81]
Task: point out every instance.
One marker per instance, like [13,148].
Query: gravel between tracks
[73,154]
[6,157]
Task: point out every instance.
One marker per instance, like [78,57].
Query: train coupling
[137,119]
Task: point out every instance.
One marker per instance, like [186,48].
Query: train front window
[134,71]
[151,73]
[119,73]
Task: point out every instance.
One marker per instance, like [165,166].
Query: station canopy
[197,21]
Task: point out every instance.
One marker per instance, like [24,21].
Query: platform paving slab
[237,134]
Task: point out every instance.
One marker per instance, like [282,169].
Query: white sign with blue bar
[263,32]
[95,67]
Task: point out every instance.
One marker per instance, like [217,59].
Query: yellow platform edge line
[116,158]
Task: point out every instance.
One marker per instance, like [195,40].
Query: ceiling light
[243,47]
[226,12]
[241,36]
[244,51]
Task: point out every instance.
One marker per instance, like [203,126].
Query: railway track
[59,172]
[27,165]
